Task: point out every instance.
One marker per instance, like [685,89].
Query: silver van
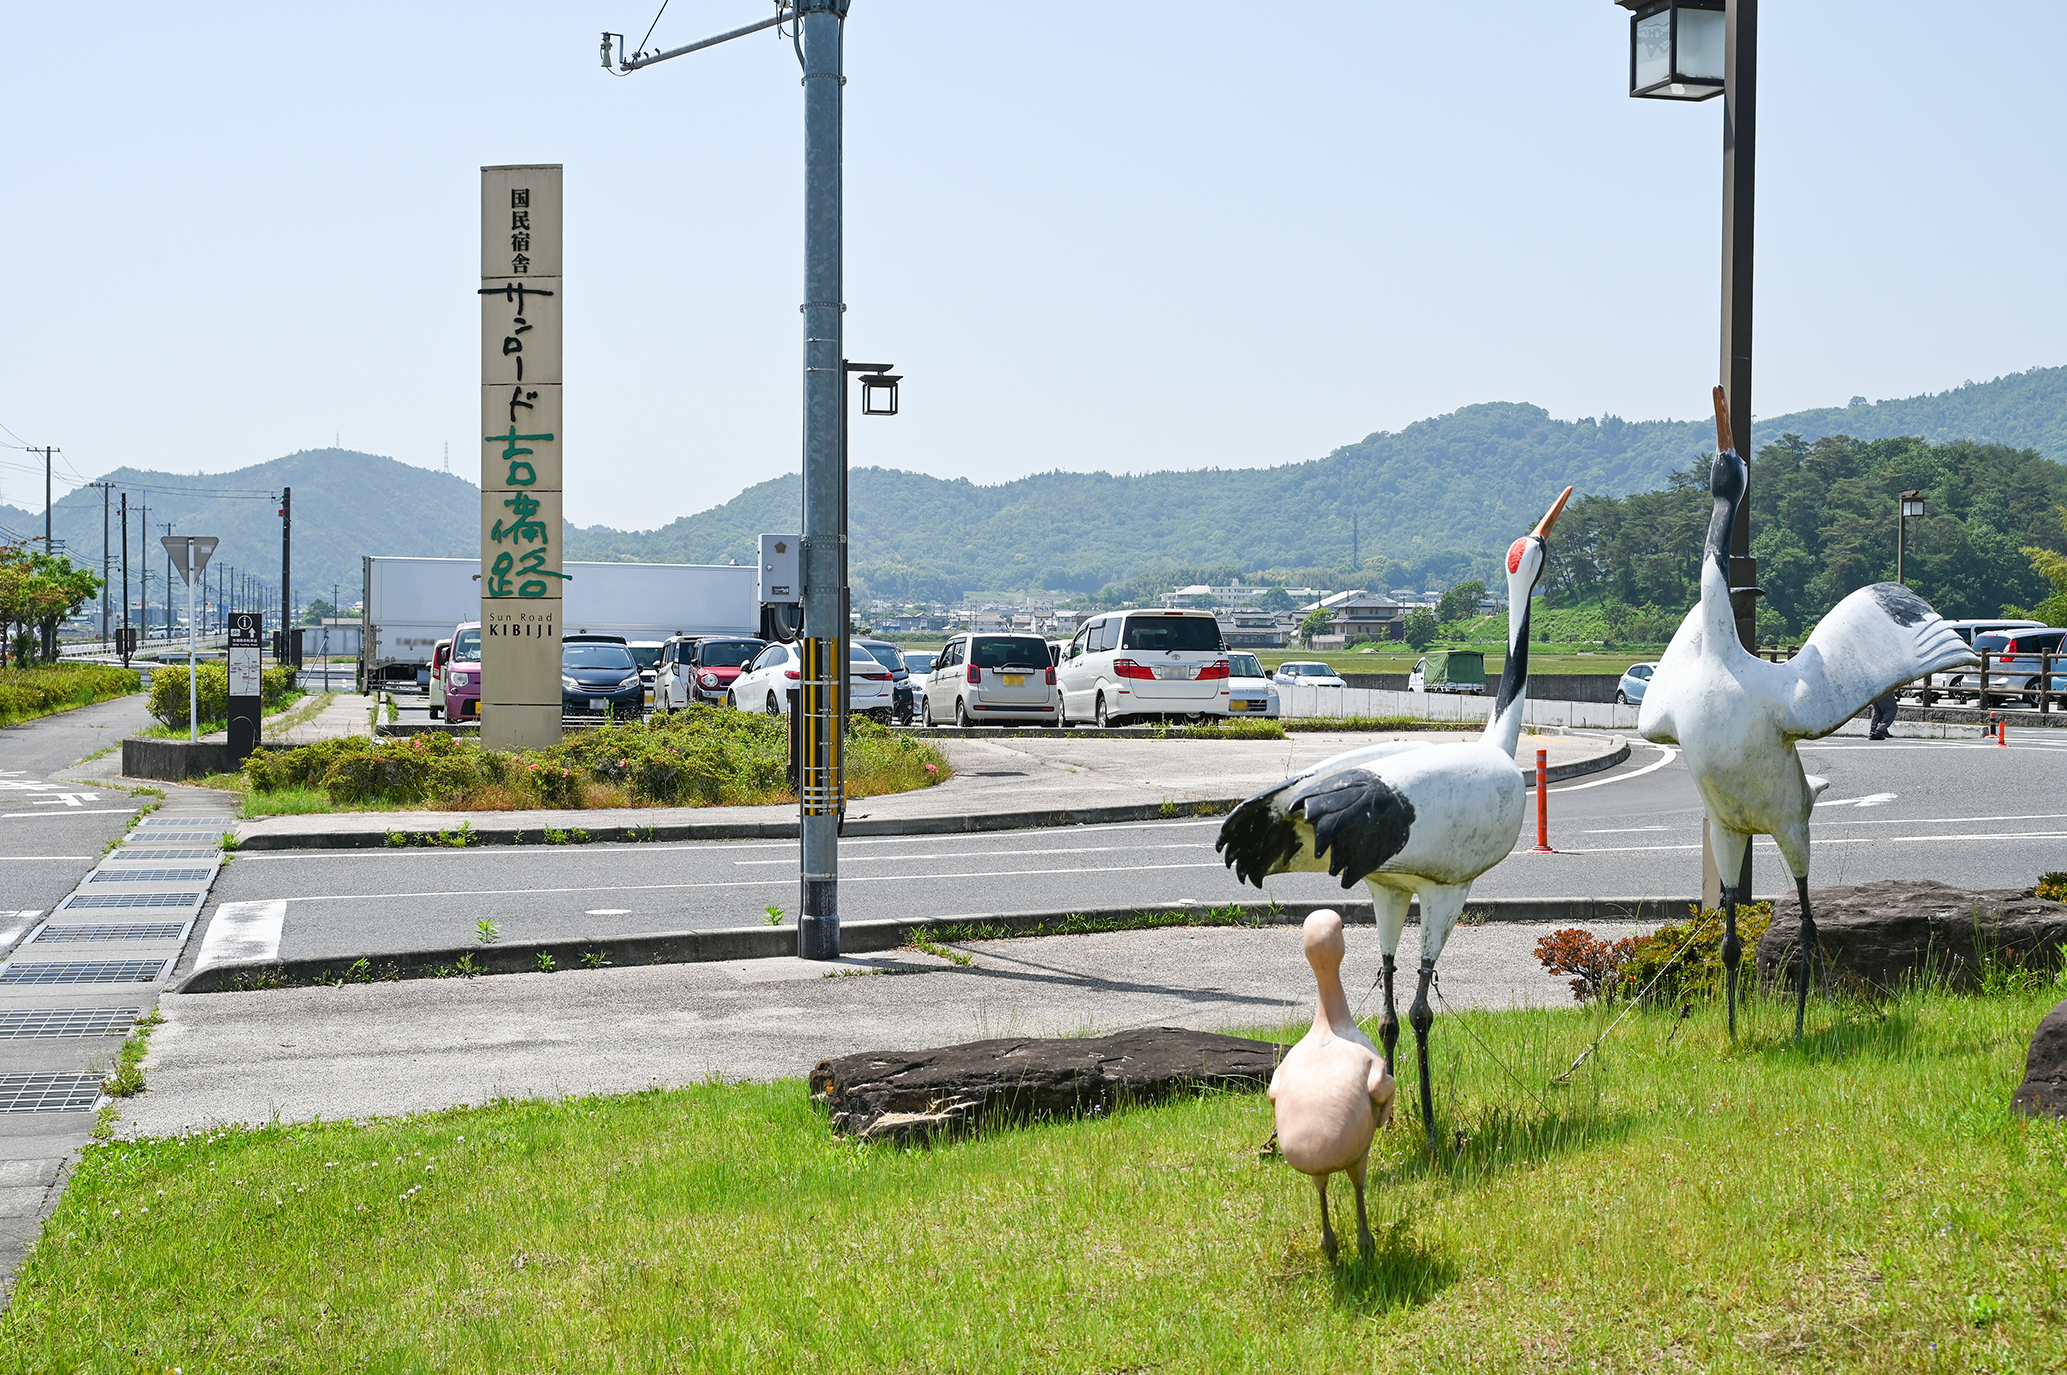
[1144,663]
[992,679]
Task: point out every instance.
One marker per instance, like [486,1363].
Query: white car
[1303,674]
[1249,691]
[775,670]
[1143,663]
[979,679]
[918,666]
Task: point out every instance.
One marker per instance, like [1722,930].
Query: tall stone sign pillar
[523,297]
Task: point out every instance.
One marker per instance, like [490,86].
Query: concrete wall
[1446,706]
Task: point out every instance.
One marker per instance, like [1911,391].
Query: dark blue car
[598,676]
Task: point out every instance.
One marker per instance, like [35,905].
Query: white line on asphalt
[1940,820]
[1669,754]
[1075,850]
[27,858]
[1826,840]
[1623,831]
[243,931]
[83,811]
[736,883]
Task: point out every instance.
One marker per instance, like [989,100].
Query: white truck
[411,604]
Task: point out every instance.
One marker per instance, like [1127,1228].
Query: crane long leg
[1389,1024]
[1422,1018]
[1732,951]
[1808,952]
[1328,1248]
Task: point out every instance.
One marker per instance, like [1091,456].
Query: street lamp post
[1693,50]
[819,27]
[1910,508]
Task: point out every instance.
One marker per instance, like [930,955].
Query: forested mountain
[1823,525]
[1431,503]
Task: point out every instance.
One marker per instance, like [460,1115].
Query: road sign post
[245,682]
[189,554]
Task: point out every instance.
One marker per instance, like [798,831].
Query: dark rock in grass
[911,1096]
[1874,936]
[2044,1090]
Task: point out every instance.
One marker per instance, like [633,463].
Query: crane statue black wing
[1875,640]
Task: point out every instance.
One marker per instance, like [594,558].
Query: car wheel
[437,712]
[962,713]
[1106,720]
[774,707]
[731,702]
[1620,699]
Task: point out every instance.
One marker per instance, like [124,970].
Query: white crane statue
[1406,818]
[1737,717]
[1332,1092]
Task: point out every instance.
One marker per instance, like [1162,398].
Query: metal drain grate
[151,876]
[184,819]
[133,853]
[116,931]
[78,900]
[173,838]
[16,972]
[49,1092]
[67,1021]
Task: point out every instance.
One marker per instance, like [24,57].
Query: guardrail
[1983,688]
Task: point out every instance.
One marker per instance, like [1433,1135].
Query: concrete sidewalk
[373,1050]
[997,785]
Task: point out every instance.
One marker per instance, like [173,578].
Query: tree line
[37,592]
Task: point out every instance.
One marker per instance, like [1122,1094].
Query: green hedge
[30,692]
[169,691]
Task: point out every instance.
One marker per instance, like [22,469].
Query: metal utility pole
[819,33]
[1740,128]
[286,573]
[168,583]
[125,580]
[48,546]
[105,489]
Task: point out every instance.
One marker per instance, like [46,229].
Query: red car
[463,674]
[700,669]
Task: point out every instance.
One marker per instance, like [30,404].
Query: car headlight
[568,683]
[632,681]
[707,679]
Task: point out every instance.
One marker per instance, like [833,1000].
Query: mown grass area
[27,693]
[1865,1201]
[704,756]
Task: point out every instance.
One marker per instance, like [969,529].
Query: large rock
[913,1095]
[2044,1089]
[1873,935]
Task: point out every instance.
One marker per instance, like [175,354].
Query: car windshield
[1002,651]
[726,653]
[1990,644]
[919,662]
[1171,632]
[887,656]
[645,656]
[1244,666]
[595,656]
[1305,670]
[466,646]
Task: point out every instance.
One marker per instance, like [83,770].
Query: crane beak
[1724,440]
[1542,530]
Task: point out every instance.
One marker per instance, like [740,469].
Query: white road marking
[1074,850]
[243,931]
[1626,830]
[25,859]
[1830,840]
[1870,800]
[1669,754]
[1944,820]
[84,811]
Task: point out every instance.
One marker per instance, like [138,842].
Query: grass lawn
[1863,1202]
[27,693]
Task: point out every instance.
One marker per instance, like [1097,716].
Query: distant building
[1359,616]
[1256,630]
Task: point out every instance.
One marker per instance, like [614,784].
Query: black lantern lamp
[879,393]
[1675,48]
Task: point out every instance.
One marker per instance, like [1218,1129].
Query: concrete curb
[868,937]
[954,823]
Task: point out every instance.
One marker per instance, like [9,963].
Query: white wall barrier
[1467,710]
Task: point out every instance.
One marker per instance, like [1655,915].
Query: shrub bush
[27,692]
[1699,972]
[1597,963]
[169,691]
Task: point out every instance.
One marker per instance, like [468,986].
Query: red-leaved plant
[1596,962]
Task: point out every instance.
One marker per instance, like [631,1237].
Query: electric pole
[48,546]
[168,584]
[286,653]
[105,489]
[125,580]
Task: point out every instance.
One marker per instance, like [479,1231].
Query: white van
[980,679]
[1142,663]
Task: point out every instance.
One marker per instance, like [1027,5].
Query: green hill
[1433,501]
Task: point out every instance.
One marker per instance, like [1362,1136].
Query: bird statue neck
[1504,728]
[1718,614]
[1332,1012]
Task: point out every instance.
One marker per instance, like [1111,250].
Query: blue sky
[1091,236]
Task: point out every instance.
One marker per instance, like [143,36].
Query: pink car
[463,674]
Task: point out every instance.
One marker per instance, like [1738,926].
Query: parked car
[1635,679]
[764,685]
[599,675]
[918,665]
[1964,682]
[1249,691]
[700,670]
[646,654]
[1301,673]
[1130,663]
[1056,649]
[463,674]
[2018,671]
[1449,670]
[981,679]
[441,654]
[892,658]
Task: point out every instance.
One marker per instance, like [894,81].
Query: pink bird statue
[1332,1091]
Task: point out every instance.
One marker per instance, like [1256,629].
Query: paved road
[52,831]
[1969,814]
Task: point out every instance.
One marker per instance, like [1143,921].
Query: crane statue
[1737,718]
[1406,818]
[1332,1092]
